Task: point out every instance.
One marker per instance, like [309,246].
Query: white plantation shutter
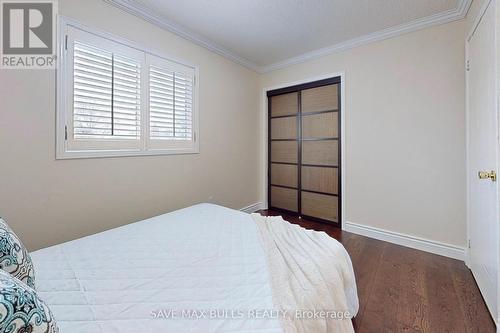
[171,104]
[126,98]
[119,100]
[106,94]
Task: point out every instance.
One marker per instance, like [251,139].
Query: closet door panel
[284,175]
[284,198]
[324,98]
[320,152]
[284,128]
[285,105]
[320,179]
[319,205]
[284,151]
[323,125]
[304,150]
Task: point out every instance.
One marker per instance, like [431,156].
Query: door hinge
[467,65]
[66,43]
[468,243]
[66,133]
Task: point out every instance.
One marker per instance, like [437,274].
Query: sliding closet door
[284,151]
[304,150]
[320,153]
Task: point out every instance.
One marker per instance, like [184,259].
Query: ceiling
[268,34]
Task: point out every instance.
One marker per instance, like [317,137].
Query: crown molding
[146,14]
[440,18]
[140,11]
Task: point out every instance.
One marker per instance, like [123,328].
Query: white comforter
[166,274]
[311,277]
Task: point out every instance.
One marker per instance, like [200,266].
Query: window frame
[66,149]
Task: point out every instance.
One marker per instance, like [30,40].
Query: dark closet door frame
[297,88]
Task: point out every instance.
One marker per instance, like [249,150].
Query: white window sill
[77,154]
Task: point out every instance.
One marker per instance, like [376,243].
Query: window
[106,108]
[115,99]
[170,104]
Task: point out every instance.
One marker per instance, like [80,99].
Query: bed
[199,269]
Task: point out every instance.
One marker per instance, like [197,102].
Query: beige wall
[48,201]
[405,127]
[405,131]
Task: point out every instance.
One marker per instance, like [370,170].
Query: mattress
[199,269]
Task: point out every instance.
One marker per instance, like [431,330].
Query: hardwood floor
[406,290]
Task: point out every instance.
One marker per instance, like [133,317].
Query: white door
[482,156]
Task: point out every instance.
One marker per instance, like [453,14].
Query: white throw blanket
[311,276]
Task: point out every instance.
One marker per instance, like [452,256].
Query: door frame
[477,21]
[265,132]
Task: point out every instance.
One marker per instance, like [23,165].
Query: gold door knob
[488,175]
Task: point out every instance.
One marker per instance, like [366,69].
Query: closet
[304,169]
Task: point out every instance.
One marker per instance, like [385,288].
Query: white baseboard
[253,208]
[467,257]
[413,242]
